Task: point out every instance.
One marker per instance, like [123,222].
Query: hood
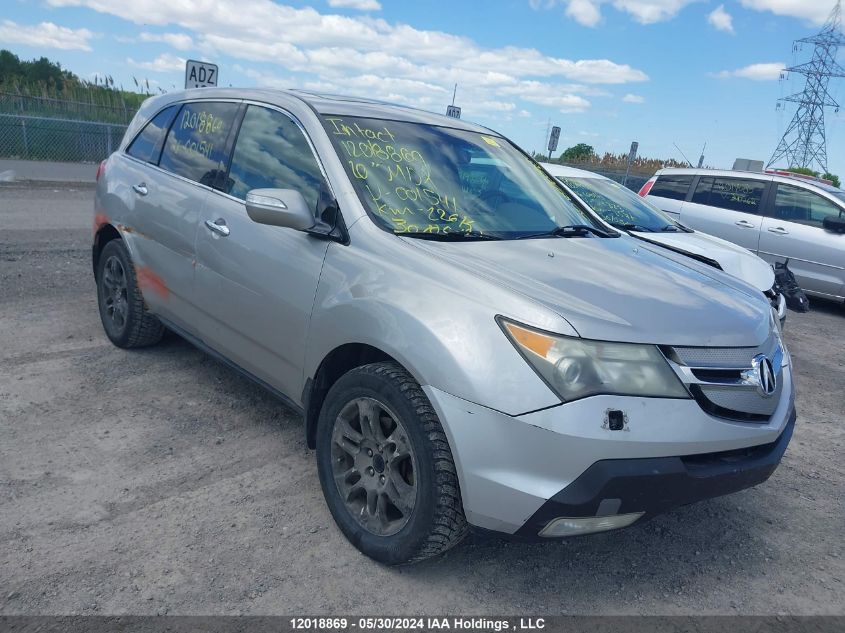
[619,289]
[733,259]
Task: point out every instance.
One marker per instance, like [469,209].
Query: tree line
[42,87]
[584,155]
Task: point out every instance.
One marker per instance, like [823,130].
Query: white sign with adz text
[200,74]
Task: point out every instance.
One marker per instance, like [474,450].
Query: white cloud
[815,11]
[45,35]
[651,11]
[559,96]
[361,5]
[588,12]
[179,41]
[584,12]
[721,20]
[563,102]
[164,63]
[632,98]
[372,56]
[755,72]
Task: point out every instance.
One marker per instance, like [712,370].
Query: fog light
[565,526]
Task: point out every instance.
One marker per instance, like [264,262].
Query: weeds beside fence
[635,182]
[114,110]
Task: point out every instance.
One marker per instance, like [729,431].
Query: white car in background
[624,210]
[775,214]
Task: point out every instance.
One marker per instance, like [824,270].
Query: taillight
[647,187]
[101,169]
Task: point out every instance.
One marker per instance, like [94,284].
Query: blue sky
[662,72]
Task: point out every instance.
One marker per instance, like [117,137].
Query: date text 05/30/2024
[418,624]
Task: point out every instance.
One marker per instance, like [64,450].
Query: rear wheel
[385,466]
[125,317]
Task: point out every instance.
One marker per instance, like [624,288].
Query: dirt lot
[159,481]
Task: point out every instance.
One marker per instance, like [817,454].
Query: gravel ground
[159,481]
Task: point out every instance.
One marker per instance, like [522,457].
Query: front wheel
[385,466]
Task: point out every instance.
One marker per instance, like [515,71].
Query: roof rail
[792,174]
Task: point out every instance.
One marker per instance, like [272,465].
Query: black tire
[436,521]
[124,315]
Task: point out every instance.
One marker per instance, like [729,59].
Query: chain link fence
[34,127]
[43,138]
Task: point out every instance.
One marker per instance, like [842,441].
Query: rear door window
[734,194]
[794,204]
[272,152]
[196,145]
[672,187]
[147,145]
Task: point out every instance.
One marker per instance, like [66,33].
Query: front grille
[708,460]
[725,357]
[715,378]
[719,357]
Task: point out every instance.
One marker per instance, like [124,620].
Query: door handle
[218,226]
[779,230]
[141,189]
[744,224]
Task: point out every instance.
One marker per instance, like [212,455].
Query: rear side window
[272,152]
[799,205]
[734,194]
[147,145]
[672,187]
[196,145]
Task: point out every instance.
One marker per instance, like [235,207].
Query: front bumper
[652,486]
[517,471]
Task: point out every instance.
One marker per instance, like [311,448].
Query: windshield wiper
[455,236]
[634,227]
[670,228]
[571,230]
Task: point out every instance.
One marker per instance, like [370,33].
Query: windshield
[422,179]
[618,205]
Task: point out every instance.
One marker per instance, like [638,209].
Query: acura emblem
[767,382]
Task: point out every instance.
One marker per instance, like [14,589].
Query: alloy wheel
[374,466]
[115,292]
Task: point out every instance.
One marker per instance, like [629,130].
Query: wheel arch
[105,234]
[335,364]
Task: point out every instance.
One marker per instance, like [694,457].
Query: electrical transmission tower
[804,143]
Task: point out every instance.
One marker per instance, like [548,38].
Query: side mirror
[279,207]
[834,225]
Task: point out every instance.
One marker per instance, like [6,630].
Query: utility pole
[804,143]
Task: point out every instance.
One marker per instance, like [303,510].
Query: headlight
[576,368]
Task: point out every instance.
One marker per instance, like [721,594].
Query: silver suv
[775,216]
[467,345]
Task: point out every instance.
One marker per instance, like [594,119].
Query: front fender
[445,338]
